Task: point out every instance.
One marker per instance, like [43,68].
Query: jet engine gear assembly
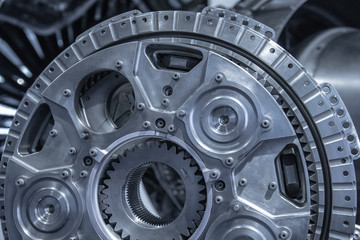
[179,125]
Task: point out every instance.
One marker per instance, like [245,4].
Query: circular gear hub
[179,125]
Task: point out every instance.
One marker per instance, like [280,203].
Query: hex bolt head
[53,133]
[65,174]
[181,113]
[83,174]
[272,186]
[72,151]
[119,64]
[219,199]
[146,124]
[171,128]
[236,207]
[284,234]
[214,174]
[229,161]
[165,102]
[219,77]
[141,106]
[265,123]
[176,76]
[67,92]
[93,152]
[243,182]
[20,182]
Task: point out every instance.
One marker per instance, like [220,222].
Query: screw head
[93,152]
[181,113]
[165,102]
[171,128]
[83,174]
[284,234]
[72,151]
[219,199]
[65,174]
[176,76]
[272,186]
[236,207]
[229,161]
[119,64]
[243,182]
[67,92]
[141,106]
[146,124]
[265,123]
[219,77]
[20,182]
[53,133]
[214,174]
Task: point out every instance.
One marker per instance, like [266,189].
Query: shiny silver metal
[261,148]
[333,56]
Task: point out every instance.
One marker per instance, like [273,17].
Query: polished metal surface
[333,56]
[179,125]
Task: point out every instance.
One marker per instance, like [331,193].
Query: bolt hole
[37,86]
[252,38]
[16,123]
[340,112]
[268,34]
[257,28]
[88,161]
[347,198]
[220,185]
[26,103]
[272,50]
[340,149]
[187,18]
[84,42]
[233,18]
[67,55]
[351,138]
[346,224]
[245,22]
[160,123]
[354,151]
[290,65]
[167,90]
[345,173]
[346,125]
[51,69]
[166,17]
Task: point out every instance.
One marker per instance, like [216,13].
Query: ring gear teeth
[137,158]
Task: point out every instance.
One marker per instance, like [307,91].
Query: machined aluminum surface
[264,152]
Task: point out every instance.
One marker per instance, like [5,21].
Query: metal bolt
[119,64]
[272,185]
[20,182]
[243,182]
[53,133]
[214,174]
[236,207]
[83,174]
[181,113]
[229,161]
[65,174]
[165,102]
[141,106]
[265,123]
[84,135]
[176,76]
[171,128]
[219,77]
[219,199]
[67,92]
[146,124]
[93,152]
[72,151]
[284,234]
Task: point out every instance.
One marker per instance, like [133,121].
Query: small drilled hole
[133,21]
[37,86]
[166,17]
[51,69]
[290,65]
[354,151]
[67,55]
[5,164]
[221,14]
[340,112]
[252,38]
[343,160]
[84,42]
[347,198]
[331,124]
[346,125]
[268,34]
[16,123]
[257,28]
[144,19]
[210,22]
[346,224]
[9,143]
[103,32]
[123,24]
[326,89]
[168,90]
[245,22]
[340,148]
[26,103]
[333,100]
[187,18]
[233,18]
[231,28]
[345,173]
[351,138]
[272,50]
